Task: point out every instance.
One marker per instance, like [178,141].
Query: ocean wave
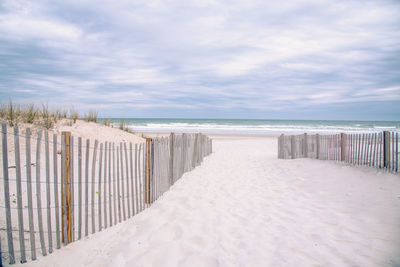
[221,127]
[385,127]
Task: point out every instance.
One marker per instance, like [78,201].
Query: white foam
[255,129]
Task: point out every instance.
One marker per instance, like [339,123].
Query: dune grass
[91,116]
[107,122]
[42,116]
[124,126]
[73,115]
[46,117]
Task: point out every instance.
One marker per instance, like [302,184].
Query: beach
[200,133]
[244,207]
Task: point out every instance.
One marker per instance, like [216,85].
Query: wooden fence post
[318,145]
[386,149]
[343,144]
[66,136]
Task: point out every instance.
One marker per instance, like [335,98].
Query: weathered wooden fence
[378,150]
[58,189]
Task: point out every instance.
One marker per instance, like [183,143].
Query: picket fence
[378,150]
[86,187]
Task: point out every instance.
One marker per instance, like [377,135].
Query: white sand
[91,130]
[244,207]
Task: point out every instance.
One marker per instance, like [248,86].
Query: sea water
[249,126]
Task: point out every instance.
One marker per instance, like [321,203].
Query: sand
[244,207]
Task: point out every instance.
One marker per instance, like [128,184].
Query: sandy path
[243,207]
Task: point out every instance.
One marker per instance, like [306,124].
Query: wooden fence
[81,187]
[378,150]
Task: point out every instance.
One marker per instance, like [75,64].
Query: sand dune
[244,207]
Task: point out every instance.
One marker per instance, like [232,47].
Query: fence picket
[334,148]
[360,142]
[29,191]
[114,187]
[393,162]
[397,152]
[122,181]
[64,234]
[79,188]
[87,188]
[139,178]
[72,187]
[56,200]
[96,143]
[105,183]
[355,149]
[99,186]
[7,194]
[19,195]
[365,149]
[128,200]
[143,176]
[136,180]
[351,149]
[39,194]
[118,189]
[48,200]
[347,156]
[111,194]
[132,178]
[380,151]
[370,149]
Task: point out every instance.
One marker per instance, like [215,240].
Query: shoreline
[211,135]
[254,127]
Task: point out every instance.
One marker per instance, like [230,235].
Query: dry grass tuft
[91,116]
[14,114]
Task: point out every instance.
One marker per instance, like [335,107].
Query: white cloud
[225,54]
[20,27]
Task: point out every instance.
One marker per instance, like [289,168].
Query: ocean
[264,127]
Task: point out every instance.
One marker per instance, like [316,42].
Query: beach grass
[91,116]
[107,122]
[124,126]
[73,115]
[46,117]
[43,116]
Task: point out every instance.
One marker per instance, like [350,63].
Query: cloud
[29,28]
[162,57]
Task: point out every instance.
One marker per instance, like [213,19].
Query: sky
[300,59]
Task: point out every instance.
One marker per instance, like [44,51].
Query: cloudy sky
[300,59]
